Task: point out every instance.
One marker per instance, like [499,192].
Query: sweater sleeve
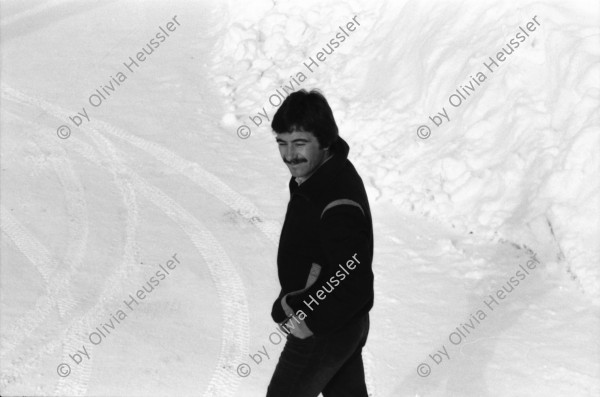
[345,284]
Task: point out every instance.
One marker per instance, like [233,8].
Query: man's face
[301,153]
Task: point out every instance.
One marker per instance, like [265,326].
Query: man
[324,258]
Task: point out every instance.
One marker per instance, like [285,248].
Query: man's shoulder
[346,186]
[347,179]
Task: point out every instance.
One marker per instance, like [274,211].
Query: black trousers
[330,364]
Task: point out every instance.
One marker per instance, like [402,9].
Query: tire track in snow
[115,283]
[77,382]
[57,278]
[45,264]
[230,290]
[236,317]
[228,283]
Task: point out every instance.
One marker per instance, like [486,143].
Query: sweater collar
[301,180]
[324,174]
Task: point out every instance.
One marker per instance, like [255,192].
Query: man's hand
[293,324]
[297,327]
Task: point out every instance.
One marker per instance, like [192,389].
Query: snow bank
[512,151]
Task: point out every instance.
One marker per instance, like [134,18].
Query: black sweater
[328,222]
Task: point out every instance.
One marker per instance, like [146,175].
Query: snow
[159,169]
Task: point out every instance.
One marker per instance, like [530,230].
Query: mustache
[295,161]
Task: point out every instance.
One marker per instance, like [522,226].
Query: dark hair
[307,112]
